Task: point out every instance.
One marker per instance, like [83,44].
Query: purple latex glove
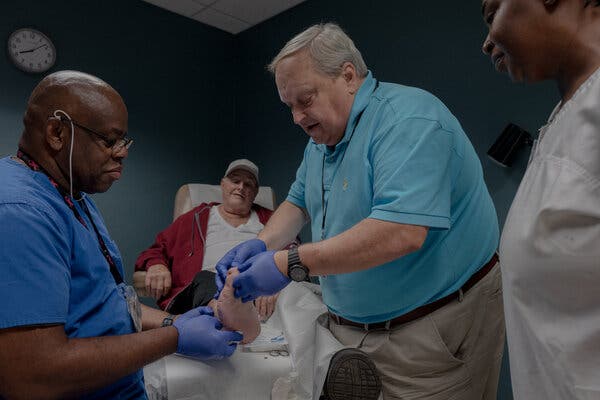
[236,257]
[200,336]
[259,276]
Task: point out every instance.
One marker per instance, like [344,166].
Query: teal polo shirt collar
[361,101]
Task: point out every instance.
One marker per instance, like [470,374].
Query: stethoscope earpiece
[57,116]
[57,112]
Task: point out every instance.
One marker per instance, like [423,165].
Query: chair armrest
[139,283]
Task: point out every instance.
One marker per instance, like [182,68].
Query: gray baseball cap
[244,164]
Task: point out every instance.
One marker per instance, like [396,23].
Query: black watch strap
[293,256]
[168,321]
[296,271]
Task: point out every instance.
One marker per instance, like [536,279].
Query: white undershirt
[221,236]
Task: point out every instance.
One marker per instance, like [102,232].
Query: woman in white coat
[550,246]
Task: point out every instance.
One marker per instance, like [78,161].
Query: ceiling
[232,16]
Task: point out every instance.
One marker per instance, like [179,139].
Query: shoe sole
[352,376]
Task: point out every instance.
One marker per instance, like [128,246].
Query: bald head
[73,92]
[99,118]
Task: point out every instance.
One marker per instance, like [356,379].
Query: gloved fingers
[241,285]
[220,277]
[247,298]
[205,310]
[224,263]
[220,283]
[241,256]
[230,349]
[226,260]
[247,264]
[232,336]
[236,284]
[195,313]
[248,249]
[222,266]
[243,267]
[218,324]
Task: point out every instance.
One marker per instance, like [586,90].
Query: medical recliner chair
[191,195]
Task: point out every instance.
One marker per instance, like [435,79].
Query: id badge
[133,305]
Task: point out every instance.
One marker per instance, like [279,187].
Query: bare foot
[235,315]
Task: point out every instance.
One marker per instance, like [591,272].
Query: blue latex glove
[259,276]
[200,335]
[236,257]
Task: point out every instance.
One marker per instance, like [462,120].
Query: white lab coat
[550,257]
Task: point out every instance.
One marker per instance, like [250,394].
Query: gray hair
[328,46]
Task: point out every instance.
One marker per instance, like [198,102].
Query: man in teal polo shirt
[404,229]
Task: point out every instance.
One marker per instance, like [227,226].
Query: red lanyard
[31,163]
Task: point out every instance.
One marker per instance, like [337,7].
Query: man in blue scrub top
[404,229]
[68,323]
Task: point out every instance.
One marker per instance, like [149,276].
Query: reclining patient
[180,264]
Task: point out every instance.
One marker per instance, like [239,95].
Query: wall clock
[31,51]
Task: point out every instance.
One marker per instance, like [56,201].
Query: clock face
[31,50]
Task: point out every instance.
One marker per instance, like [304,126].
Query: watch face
[31,50]
[297,273]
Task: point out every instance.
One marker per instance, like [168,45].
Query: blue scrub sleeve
[34,267]
[411,174]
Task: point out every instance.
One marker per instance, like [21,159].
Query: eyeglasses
[115,145]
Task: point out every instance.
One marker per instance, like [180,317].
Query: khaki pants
[453,353]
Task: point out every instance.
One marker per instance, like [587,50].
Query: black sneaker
[352,376]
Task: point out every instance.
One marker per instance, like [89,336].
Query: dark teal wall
[435,45]
[175,76]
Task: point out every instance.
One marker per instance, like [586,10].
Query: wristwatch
[168,321]
[296,271]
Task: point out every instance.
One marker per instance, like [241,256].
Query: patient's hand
[158,280]
[265,306]
[235,315]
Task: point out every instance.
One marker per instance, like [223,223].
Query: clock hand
[32,50]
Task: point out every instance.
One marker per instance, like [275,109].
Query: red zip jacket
[181,245]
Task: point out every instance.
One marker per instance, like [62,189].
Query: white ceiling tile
[182,7]
[254,11]
[205,2]
[221,20]
[232,16]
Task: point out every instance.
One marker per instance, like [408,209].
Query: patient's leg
[235,315]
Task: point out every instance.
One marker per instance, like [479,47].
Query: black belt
[422,311]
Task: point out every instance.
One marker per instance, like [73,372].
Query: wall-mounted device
[507,145]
